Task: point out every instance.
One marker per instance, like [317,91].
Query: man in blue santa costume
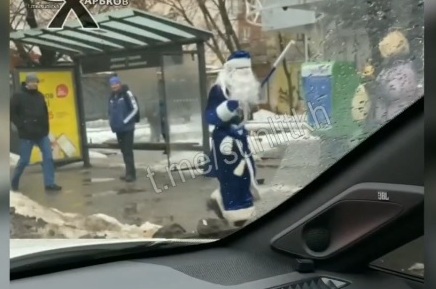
[229,102]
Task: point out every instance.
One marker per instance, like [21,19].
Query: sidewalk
[98,190]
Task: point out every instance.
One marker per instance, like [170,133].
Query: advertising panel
[58,88]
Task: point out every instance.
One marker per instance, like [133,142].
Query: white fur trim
[250,166]
[226,146]
[224,113]
[239,63]
[254,184]
[239,215]
[255,192]
[239,170]
[233,215]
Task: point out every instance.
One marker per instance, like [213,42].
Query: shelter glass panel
[182,100]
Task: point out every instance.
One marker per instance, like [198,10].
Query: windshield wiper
[85,255]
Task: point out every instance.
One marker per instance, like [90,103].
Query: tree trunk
[230,32]
[287,75]
[224,36]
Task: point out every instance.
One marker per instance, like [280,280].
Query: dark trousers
[125,141]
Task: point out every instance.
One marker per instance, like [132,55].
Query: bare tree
[17,12]
[212,15]
[290,91]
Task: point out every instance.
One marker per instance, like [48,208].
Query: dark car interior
[366,205]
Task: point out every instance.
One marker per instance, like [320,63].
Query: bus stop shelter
[127,39]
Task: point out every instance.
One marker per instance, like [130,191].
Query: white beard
[243,86]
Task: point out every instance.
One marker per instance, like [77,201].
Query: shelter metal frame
[130,37]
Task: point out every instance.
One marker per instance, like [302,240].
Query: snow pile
[284,128]
[418,269]
[100,134]
[97,155]
[31,220]
[263,115]
[97,123]
[190,161]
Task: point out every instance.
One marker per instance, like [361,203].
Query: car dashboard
[215,269]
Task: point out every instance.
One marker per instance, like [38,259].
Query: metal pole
[166,116]
[203,94]
[81,113]
[306,48]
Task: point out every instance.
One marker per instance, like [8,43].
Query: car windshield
[247,103]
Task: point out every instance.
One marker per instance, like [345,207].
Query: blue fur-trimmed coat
[234,171]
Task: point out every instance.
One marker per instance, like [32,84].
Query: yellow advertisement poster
[279,88]
[60,96]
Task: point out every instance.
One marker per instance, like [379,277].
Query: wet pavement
[177,197]
[98,190]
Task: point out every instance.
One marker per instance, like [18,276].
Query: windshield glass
[195,141]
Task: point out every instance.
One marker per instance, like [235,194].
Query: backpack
[137,117]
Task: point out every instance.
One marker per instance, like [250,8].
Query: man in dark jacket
[29,114]
[123,111]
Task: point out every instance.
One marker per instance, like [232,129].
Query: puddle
[103,194]
[108,152]
[162,220]
[123,191]
[131,209]
[67,192]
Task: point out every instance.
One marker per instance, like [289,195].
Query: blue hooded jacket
[122,110]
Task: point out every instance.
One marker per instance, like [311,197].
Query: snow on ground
[93,154]
[261,140]
[417,268]
[102,134]
[263,121]
[52,223]
[180,160]
[263,114]
[97,155]
[260,143]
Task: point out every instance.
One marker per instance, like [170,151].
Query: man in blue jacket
[123,114]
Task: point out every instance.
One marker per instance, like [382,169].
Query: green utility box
[329,89]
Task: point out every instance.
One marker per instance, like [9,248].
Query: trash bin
[328,89]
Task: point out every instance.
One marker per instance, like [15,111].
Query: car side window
[408,259]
